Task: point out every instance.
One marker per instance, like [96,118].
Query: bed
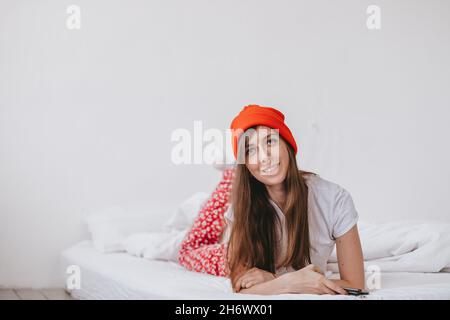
[119,275]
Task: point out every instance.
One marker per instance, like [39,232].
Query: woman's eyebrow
[267,136]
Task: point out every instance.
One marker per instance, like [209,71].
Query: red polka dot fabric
[200,250]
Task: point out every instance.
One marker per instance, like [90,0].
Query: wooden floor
[32,294]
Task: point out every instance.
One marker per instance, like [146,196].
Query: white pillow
[183,217]
[110,227]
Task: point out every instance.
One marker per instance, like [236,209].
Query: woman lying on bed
[281,223]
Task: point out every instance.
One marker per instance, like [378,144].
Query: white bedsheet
[123,276]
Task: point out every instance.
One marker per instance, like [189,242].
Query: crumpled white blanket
[403,246]
[155,245]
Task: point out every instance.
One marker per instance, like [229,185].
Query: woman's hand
[252,277]
[310,280]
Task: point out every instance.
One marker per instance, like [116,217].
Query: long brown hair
[252,241]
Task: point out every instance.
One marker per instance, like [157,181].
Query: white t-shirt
[331,213]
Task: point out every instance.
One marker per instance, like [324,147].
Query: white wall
[86,115]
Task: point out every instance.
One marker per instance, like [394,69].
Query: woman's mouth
[271,169]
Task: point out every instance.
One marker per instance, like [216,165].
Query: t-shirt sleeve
[345,215]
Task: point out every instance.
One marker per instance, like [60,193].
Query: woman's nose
[264,157]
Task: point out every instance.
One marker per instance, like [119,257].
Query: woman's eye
[251,151]
[271,141]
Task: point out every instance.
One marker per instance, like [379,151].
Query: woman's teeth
[270,169]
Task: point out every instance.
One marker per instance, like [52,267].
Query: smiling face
[267,156]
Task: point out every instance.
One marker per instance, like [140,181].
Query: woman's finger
[333,286]
[251,280]
[327,290]
[244,280]
[241,278]
[239,283]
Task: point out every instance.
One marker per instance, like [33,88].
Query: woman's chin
[271,180]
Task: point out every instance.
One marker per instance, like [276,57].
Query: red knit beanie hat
[254,115]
